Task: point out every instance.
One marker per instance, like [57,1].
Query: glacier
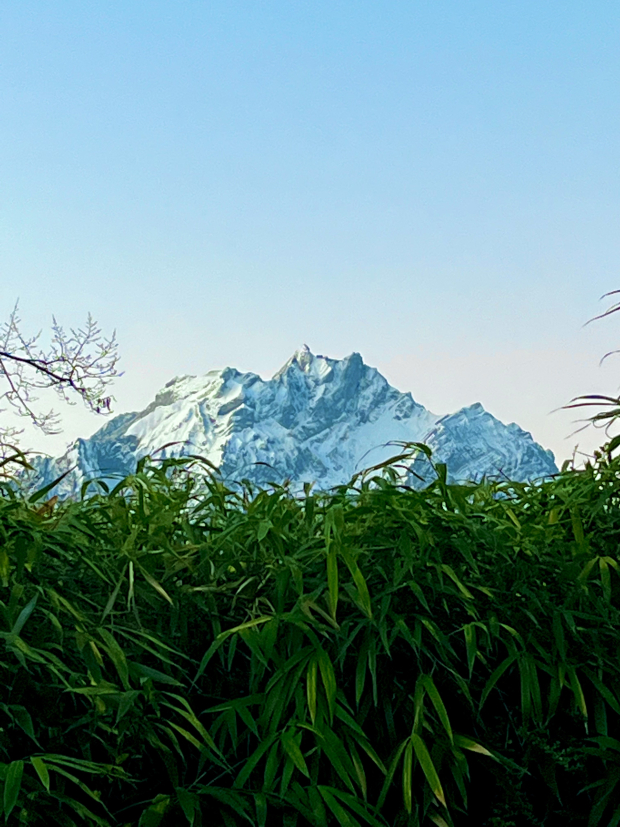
[317,420]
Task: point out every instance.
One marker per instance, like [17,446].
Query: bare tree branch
[82,364]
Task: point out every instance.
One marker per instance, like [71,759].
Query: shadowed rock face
[317,420]
[473,444]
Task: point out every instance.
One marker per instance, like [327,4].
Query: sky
[435,185]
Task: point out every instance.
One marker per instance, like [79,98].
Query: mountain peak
[302,358]
[315,421]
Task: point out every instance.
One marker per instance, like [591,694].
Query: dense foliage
[177,652]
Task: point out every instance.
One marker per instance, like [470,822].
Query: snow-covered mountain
[317,420]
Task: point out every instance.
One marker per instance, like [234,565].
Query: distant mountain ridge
[317,420]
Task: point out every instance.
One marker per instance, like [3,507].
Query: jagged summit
[304,360]
[303,357]
[316,420]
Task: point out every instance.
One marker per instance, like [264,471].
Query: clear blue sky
[432,184]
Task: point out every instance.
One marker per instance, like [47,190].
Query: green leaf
[415,588]
[337,755]
[189,804]
[329,679]
[189,715]
[311,687]
[524,673]
[22,718]
[252,761]
[428,768]
[468,743]
[12,786]
[363,809]
[139,670]
[558,634]
[360,582]
[577,526]
[24,615]
[451,574]
[112,600]
[41,770]
[117,656]
[587,569]
[43,491]
[153,815]
[469,631]
[263,529]
[605,578]
[407,776]
[390,773]
[360,669]
[271,767]
[332,580]
[294,752]
[580,699]
[433,694]
[344,819]
[260,802]
[604,690]
[157,586]
[496,675]
[221,638]
[232,799]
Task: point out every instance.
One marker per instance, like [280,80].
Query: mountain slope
[317,420]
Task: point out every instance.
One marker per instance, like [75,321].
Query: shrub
[178,652]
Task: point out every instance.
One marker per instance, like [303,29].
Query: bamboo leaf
[112,600]
[157,586]
[344,819]
[364,810]
[263,529]
[189,804]
[328,677]
[24,615]
[334,749]
[428,768]
[332,581]
[139,670]
[311,687]
[271,767]
[295,754]
[433,694]
[360,583]
[260,802]
[221,638]
[524,673]
[12,786]
[605,578]
[408,776]
[360,669]
[118,657]
[578,692]
[390,773]
[603,690]
[452,575]
[154,814]
[41,770]
[438,820]
[415,588]
[251,763]
[468,743]
[359,767]
[495,676]
[587,569]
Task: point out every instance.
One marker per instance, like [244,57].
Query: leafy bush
[178,652]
